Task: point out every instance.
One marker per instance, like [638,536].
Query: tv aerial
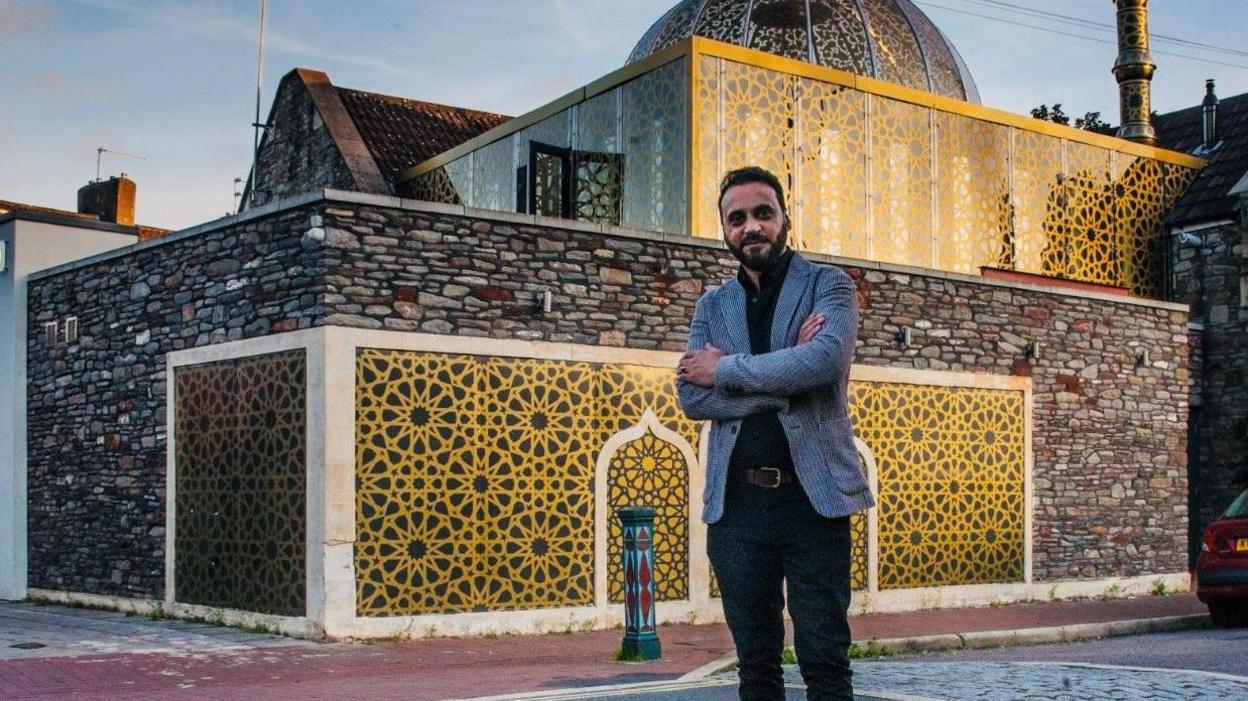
[99,156]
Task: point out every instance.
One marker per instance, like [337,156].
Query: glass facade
[618,157]
[870,172]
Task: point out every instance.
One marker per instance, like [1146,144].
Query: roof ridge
[413,101]
[1198,107]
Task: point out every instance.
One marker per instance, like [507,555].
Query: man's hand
[698,367]
[810,327]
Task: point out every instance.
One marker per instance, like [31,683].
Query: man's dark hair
[753,174]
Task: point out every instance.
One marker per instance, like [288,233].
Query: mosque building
[404,390]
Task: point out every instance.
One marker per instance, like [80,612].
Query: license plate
[1241,545]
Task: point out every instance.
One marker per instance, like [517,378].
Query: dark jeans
[767,536]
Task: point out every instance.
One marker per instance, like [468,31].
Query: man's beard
[761,262]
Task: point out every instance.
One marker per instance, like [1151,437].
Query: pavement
[54,652]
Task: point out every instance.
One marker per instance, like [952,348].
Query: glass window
[1239,507]
[655,141]
[598,160]
[554,132]
[493,184]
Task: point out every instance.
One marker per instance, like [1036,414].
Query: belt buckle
[774,471]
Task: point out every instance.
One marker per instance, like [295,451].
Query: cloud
[205,21]
[55,87]
[18,18]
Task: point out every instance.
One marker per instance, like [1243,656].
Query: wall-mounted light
[1187,238]
[1032,351]
[542,302]
[902,337]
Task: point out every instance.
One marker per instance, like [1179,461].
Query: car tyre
[1229,615]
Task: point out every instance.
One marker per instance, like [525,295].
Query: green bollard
[641,635]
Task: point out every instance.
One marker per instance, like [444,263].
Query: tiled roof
[1208,198]
[147,233]
[401,133]
[144,233]
[9,206]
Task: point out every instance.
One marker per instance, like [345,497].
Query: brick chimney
[111,200]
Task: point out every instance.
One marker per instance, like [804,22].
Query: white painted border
[310,342]
[341,621]
[963,380]
[873,516]
[602,514]
[331,369]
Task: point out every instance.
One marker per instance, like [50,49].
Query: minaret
[1134,71]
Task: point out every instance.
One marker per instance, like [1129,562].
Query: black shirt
[762,442]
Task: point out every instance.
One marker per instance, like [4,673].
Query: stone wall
[1109,437]
[1209,275]
[96,432]
[297,153]
[1110,470]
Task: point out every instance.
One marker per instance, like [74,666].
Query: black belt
[765,477]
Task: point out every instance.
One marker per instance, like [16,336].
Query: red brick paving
[427,670]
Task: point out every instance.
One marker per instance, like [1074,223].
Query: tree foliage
[1090,121]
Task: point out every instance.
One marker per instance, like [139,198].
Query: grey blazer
[806,384]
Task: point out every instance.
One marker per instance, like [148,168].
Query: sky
[173,81]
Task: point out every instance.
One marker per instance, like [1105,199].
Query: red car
[1222,568]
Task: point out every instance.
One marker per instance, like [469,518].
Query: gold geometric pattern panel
[951,482]
[858,551]
[831,194]
[706,163]
[474,483]
[757,105]
[1139,207]
[240,430]
[901,182]
[973,194]
[626,392]
[1037,194]
[879,179]
[1084,247]
[640,468]
[1177,180]
[648,471]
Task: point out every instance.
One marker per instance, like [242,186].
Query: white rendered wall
[32,246]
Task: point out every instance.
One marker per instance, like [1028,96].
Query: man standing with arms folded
[768,363]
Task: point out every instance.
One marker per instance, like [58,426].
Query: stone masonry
[96,432]
[1211,275]
[297,154]
[1109,433]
